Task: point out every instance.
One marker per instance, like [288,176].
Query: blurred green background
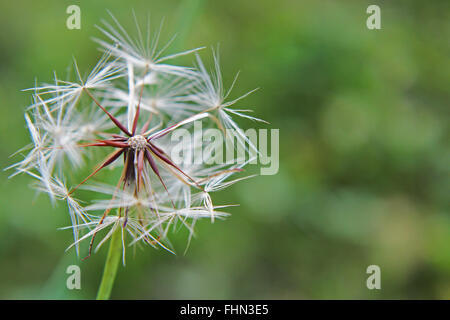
[364,168]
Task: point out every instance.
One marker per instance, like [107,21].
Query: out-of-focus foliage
[364,153]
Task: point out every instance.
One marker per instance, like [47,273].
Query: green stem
[111,266]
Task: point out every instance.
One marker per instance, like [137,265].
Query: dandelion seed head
[126,108]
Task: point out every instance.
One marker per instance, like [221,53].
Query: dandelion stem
[111,266]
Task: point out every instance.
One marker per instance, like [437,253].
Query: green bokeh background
[364,152]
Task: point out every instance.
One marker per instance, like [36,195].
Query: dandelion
[126,107]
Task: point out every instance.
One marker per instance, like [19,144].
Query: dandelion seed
[210,93]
